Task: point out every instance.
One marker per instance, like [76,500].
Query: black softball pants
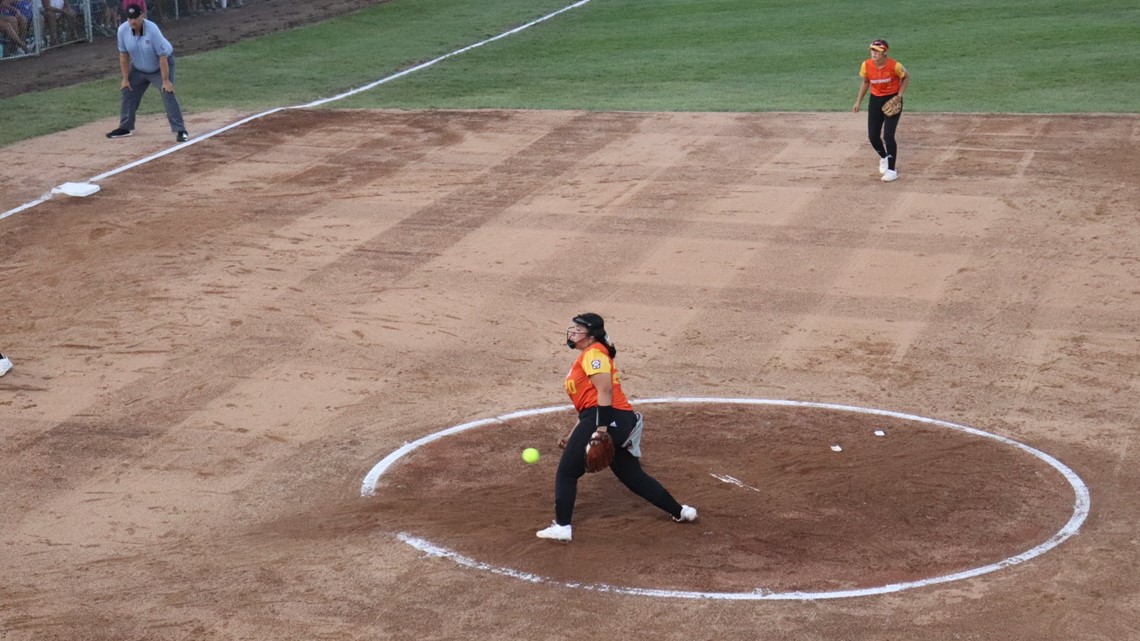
[881,129]
[626,467]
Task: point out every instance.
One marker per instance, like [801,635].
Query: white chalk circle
[1080,510]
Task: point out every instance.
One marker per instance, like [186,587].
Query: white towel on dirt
[633,443]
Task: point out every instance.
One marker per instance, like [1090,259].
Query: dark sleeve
[605,415]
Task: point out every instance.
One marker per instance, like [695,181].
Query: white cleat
[555,533]
[890,176]
[688,514]
[884,165]
[5,364]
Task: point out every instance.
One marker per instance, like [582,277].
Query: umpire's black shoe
[119,133]
[182,136]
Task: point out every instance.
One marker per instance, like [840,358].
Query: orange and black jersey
[885,81]
[595,359]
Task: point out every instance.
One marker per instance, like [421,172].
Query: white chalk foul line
[1079,515]
[316,103]
[425,65]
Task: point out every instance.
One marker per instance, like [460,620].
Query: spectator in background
[146,58]
[10,30]
[109,21]
[162,10]
[59,13]
[17,14]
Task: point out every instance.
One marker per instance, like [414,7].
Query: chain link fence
[30,27]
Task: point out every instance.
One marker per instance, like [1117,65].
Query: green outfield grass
[1021,56]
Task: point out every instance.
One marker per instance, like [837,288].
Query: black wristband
[605,415]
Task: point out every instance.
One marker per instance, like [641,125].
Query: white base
[76,189]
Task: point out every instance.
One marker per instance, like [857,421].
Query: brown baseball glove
[893,106]
[599,452]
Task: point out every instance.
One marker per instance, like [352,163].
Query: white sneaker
[890,176]
[884,165]
[687,514]
[555,532]
[5,364]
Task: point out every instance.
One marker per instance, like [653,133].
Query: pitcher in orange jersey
[886,78]
[594,386]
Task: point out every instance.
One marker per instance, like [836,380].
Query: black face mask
[570,342]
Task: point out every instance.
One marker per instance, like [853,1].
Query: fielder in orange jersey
[886,78]
[594,386]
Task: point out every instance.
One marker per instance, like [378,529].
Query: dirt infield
[213,352]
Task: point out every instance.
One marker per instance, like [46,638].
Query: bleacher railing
[35,28]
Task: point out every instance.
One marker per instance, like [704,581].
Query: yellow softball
[530,455]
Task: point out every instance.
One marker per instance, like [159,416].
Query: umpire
[146,58]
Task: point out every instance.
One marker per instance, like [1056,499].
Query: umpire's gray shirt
[144,50]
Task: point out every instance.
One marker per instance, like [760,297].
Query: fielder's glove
[893,106]
[599,452]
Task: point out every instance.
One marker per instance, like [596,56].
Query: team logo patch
[596,364]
